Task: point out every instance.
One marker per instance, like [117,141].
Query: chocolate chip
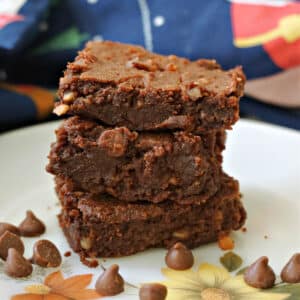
[31,225]
[260,275]
[115,141]
[179,257]
[8,227]
[10,240]
[16,265]
[110,282]
[45,254]
[153,291]
[291,271]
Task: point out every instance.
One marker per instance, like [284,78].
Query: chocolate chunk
[260,275]
[153,291]
[110,282]
[45,254]
[31,226]
[16,265]
[8,227]
[291,271]
[10,240]
[179,257]
[89,262]
[115,141]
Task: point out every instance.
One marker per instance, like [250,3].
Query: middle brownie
[135,166]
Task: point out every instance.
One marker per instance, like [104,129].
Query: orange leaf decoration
[226,243]
[27,297]
[57,288]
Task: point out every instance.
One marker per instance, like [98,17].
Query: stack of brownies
[139,164]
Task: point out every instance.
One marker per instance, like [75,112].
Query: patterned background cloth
[38,37]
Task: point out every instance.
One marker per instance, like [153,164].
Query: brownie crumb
[244,229]
[91,263]
[67,253]
[266,237]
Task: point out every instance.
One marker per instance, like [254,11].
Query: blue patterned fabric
[38,37]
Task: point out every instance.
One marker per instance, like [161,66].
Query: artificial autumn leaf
[55,287]
[231,261]
[211,283]
[27,297]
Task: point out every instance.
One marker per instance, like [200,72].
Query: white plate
[264,158]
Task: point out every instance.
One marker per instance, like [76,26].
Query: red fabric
[250,20]
[8,18]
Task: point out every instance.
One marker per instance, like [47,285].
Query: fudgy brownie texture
[105,227]
[131,166]
[125,85]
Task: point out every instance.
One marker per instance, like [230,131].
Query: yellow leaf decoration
[213,283]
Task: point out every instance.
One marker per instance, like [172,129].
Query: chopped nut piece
[182,234]
[115,141]
[61,109]
[129,64]
[68,96]
[218,216]
[172,57]
[173,180]
[139,104]
[86,243]
[147,65]
[171,67]
[194,93]
[203,81]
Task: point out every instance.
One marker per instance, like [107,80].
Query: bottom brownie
[105,227]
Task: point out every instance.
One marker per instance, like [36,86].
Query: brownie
[101,227]
[131,166]
[125,85]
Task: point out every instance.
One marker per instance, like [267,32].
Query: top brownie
[125,85]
